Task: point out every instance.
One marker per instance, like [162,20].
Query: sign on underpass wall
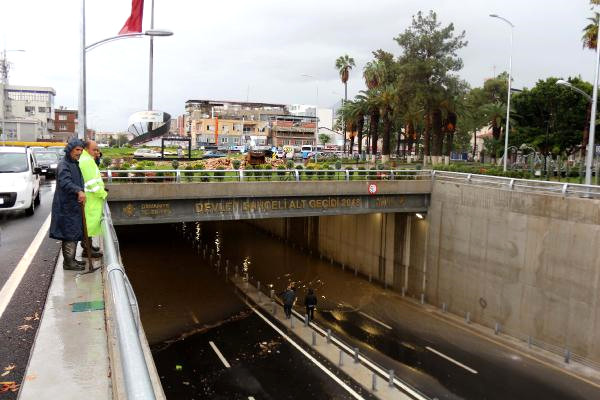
[148,212]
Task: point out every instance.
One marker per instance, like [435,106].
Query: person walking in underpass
[289,297]
[95,194]
[310,301]
[69,196]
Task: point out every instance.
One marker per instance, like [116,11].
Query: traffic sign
[372,188]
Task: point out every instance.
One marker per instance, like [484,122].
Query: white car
[146,153]
[19,180]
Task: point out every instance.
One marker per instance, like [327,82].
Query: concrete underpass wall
[528,261]
[386,247]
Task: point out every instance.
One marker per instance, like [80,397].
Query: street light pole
[151,67]
[509,86]
[590,150]
[316,114]
[4,66]
[82,114]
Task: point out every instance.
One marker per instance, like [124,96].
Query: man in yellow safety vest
[94,192]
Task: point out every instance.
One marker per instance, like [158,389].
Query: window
[43,109]
[224,140]
[30,109]
[62,117]
[208,128]
[62,127]
[236,140]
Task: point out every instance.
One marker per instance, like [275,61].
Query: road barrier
[138,384]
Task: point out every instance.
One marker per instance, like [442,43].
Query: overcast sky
[238,49]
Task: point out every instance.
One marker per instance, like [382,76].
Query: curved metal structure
[144,137]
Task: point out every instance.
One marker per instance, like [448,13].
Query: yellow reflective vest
[94,193]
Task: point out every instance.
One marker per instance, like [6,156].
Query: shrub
[236,163]
[362,173]
[175,164]
[220,174]
[309,172]
[289,164]
[106,162]
[330,173]
[373,173]
[338,164]
[125,165]
[281,172]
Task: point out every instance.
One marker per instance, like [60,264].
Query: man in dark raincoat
[69,196]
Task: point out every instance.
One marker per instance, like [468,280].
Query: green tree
[344,64]
[429,59]
[324,138]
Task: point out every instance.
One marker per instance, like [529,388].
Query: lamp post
[316,112]
[4,67]
[509,85]
[589,158]
[82,117]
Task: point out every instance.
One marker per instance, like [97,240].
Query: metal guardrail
[522,185]
[138,384]
[264,175]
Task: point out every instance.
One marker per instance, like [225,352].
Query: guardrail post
[241,173]
[273,309]
[469,178]
[565,188]
[109,175]
[391,175]
[306,320]
[391,377]
[511,184]
[341,362]
[178,176]
[347,175]
[356,360]
[297,174]
[374,382]
[496,328]
[328,336]
[314,338]
[567,355]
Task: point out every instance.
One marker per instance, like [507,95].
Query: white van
[19,180]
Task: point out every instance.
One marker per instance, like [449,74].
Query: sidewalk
[70,356]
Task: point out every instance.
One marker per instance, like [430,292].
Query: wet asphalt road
[408,347]
[20,321]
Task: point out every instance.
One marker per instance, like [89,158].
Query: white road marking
[14,280]
[375,320]
[250,398]
[307,355]
[223,360]
[452,360]
[367,362]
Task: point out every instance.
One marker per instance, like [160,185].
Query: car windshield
[46,157]
[13,162]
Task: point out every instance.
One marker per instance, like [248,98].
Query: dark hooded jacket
[66,223]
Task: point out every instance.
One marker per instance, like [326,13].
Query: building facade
[227,123]
[65,124]
[27,112]
[292,130]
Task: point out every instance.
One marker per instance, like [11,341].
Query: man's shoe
[73,267]
[95,253]
[83,263]
[95,248]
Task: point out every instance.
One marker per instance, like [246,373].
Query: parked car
[19,180]
[48,162]
[58,150]
[213,154]
[146,153]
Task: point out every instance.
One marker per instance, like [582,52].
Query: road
[441,359]
[21,317]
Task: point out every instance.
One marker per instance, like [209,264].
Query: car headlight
[53,166]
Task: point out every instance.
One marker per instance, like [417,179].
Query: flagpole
[151,67]
[82,115]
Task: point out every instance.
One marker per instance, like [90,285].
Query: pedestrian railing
[136,375]
[260,175]
[315,175]
[520,185]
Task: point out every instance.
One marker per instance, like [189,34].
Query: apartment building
[27,112]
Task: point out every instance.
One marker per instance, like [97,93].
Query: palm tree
[372,102]
[590,32]
[344,64]
[361,110]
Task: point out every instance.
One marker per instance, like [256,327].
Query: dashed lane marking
[14,280]
[452,360]
[223,360]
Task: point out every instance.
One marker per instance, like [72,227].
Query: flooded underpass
[188,309]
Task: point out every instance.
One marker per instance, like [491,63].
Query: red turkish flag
[134,22]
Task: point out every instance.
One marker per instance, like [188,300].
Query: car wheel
[31,208]
[37,199]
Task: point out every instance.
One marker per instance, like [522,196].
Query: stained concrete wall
[530,262]
[388,248]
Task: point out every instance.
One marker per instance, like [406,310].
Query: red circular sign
[372,188]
